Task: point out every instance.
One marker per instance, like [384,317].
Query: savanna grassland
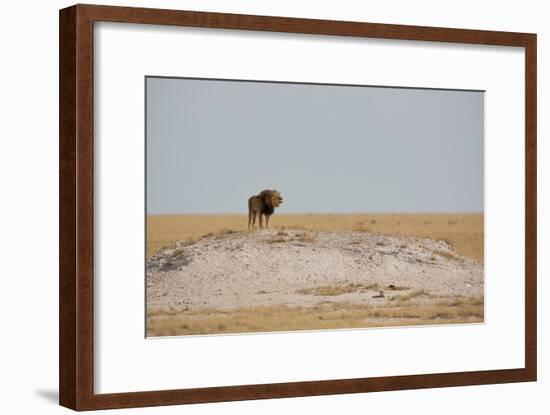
[206,274]
[324,315]
[463,231]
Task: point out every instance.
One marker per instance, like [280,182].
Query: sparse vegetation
[449,255]
[194,239]
[284,236]
[326,315]
[332,290]
[394,300]
[304,237]
[178,252]
[412,295]
[446,240]
[392,287]
[224,232]
[277,240]
[466,236]
[362,229]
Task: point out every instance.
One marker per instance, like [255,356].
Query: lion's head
[276,198]
[272,198]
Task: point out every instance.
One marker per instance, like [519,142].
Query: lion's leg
[267,221]
[249,218]
[261,220]
[253,219]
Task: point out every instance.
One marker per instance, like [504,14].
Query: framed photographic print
[256,207]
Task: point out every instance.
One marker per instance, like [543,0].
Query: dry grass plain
[464,232]
[324,315]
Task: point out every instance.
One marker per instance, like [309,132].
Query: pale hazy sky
[211,144]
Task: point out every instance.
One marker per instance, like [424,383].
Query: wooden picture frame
[76,282]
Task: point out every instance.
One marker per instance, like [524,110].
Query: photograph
[277,206]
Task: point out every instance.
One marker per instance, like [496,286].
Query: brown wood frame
[76,153]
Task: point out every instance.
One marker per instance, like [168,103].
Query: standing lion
[263,204]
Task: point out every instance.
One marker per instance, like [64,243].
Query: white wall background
[29,209]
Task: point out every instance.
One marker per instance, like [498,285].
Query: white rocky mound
[301,268]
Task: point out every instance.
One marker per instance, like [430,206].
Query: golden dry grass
[402,305]
[331,290]
[327,315]
[304,237]
[463,231]
[276,240]
[448,255]
[411,295]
